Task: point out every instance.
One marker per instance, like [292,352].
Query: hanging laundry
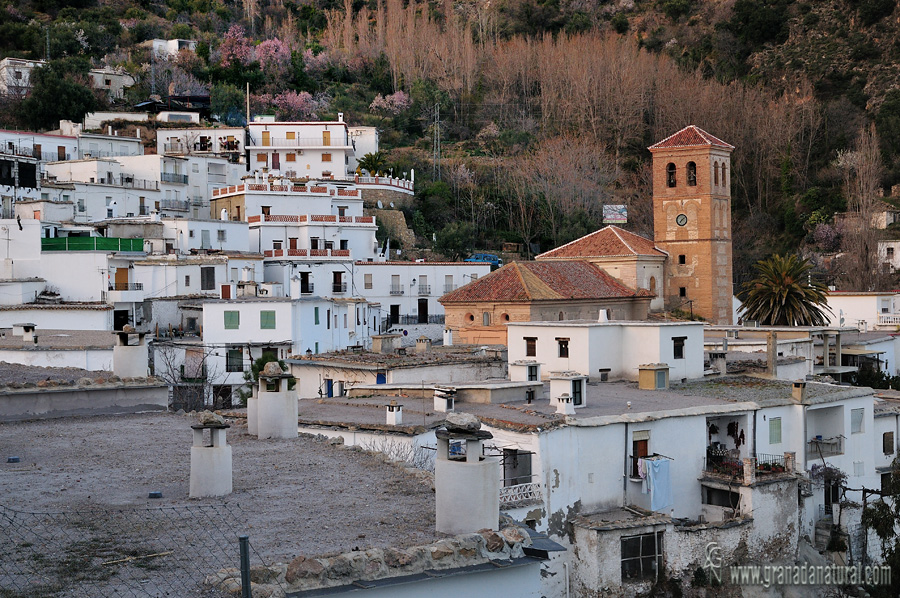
[660,484]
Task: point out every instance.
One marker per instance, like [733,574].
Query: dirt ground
[291,497]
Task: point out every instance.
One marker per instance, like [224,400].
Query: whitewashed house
[169,48]
[224,142]
[114,81]
[317,149]
[15,75]
[866,310]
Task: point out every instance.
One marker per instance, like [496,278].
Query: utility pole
[436,144]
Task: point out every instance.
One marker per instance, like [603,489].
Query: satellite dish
[380,205]
[392,204]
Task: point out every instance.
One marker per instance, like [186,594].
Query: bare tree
[191,373]
[860,268]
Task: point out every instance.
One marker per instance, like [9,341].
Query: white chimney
[564,405]
[109,130]
[394,414]
[466,488]
[223,215]
[137,132]
[444,400]
[604,315]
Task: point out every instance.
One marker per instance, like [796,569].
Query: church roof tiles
[690,136]
[607,242]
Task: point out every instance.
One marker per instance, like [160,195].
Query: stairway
[823,534]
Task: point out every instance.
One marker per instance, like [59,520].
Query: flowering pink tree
[392,104]
[236,48]
[273,55]
[291,105]
[315,65]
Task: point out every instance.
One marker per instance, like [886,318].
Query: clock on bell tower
[692,221]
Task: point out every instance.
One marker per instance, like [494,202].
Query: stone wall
[313,573]
[371,197]
[394,223]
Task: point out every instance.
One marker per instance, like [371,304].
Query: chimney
[276,410]
[718,362]
[394,413]
[383,343]
[798,390]
[564,405]
[604,315]
[423,345]
[28,335]
[448,337]
[137,132]
[772,354]
[653,376]
[466,487]
[109,130]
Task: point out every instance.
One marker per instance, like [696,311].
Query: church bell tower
[692,222]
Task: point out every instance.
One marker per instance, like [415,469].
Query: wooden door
[266,138]
[326,138]
[121,279]
[226,291]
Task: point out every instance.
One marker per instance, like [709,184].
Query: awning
[861,352]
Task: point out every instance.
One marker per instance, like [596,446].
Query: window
[326,157]
[207,278]
[890,253]
[856,421]
[276,244]
[187,280]
[290,135]
[691,174]
[530,346]
[887,443]
[290,157]
[532,373]
[316,315]
[195,168]
[716,174]
[328,319]
[486,319]
[640,447]
[234,360]
[190,234]
[562,316]
[342,210]
[345,320]
[682,259]
[474,277]
[678,347]
[516,467]
[774,430]
[232,320]
[261,157]
[266,210]
[267,320]
[682,291]
[724,179]
[563,345]
[670,175]
[885,482]
[642,557]
[220,235]
[577,392]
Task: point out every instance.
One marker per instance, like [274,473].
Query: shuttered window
[267,320]
[232,320]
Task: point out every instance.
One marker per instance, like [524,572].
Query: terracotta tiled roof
[548,280]
[688,137]
[608,241]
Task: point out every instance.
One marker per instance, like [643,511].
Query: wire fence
[167,551]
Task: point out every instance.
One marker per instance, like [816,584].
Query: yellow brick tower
[692,221]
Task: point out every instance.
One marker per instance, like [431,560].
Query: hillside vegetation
[544,108]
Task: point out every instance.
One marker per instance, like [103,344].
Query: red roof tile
[688,137]
[548,280]
[608,241]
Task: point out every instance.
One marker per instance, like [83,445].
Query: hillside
[545,107]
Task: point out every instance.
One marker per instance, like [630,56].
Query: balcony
[171,177]
[91,244]
[175,205]
[396,290]
[824,447]
[307,289]
[174,148]
[889,320]
[339,287]
[726,465]
[521,494]
[125,292]
[424,290]
[302,142]
[316,253]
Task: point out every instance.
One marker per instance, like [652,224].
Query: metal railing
[396,290]
[301,142]
[339,287]
[407,320]
[171,177]
[424,289]
[723,464]
[307,289]
[127,286]
[179,205]
[521,493]
[91,244]
[825,447]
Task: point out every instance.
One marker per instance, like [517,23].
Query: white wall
[90,359]
[59,319]
[857,308]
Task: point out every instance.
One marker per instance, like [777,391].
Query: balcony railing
[889,319]
[409,320]
[195,375]
[127,286]
[91,244]
[825,447]
[178,205]
[341,253]
[396,290]
[424,289]
[171,177]
[339,287]
[307,289]
[520,494]
[305,218]
[724,464]
[303,142]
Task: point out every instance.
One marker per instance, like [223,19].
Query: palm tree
[784,294]
[373,162]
